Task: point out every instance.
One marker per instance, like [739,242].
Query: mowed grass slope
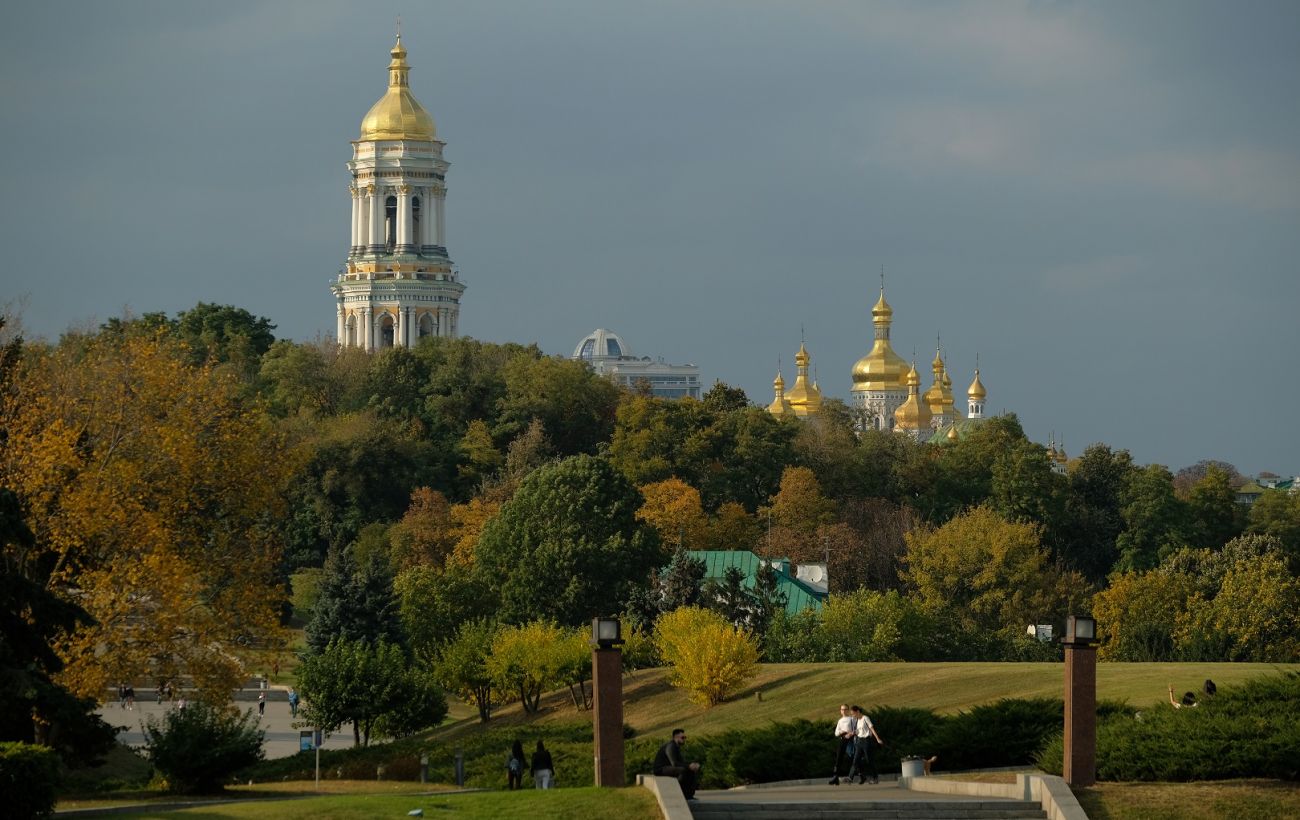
[814,691]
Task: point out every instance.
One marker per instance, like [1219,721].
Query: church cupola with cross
[398,284]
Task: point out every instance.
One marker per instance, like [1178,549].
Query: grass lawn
[814,691]
[571,804]
[1238,799]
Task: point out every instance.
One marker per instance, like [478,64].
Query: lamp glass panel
[1085,629]
[607,629]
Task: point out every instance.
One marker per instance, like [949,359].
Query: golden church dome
[913,414]
[934,396]
[780,405]
[804,397]
[398,115]
[976,389]
[882,368]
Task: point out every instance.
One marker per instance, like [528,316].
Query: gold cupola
[933,397]
[805,398]
[949,404]
[398,115]
[976,389]
[913,414]
[780,406]
[882,368]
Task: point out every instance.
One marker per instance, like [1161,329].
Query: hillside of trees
[163,478]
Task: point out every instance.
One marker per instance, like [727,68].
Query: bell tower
[398,285]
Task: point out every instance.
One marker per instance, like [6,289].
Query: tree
[370,685]
[1137,614]
[1025,488]
[1154,519]
[673,508]
[1188,477]
[462,666]
[708,658]
[226,335]
[1254,617]
[1217,518]
[198,748]
[527,660]
[865,625]
[575,406]
[796,512]
[1277,513]
[568,546]
[152,483]
[1093,510]
[426,535]
[435,602]
[991,574]
[355,603]
[732,528]
[723,398]
[729,598]
[870,554]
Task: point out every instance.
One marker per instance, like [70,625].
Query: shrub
[1006,733]
[1249,731]
[199,747]
[29,777]
[708,657]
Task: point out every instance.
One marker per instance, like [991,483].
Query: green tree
[462,666]
[1094,510]
[728,598]
[1025,488]
[1154,519]
[576,406]
[355,603]
[370,685]
[227,335]
[198,748]
[865,625]
[434,602]
[568,546]
[1138,612]
[1255,615]
[1217,518]
[1277,513]
[527,660]
[723,398]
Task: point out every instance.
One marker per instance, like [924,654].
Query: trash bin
[913,767]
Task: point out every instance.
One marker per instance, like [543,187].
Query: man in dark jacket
[669,763]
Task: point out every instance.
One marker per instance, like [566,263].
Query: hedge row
[29,778]
[1248,731]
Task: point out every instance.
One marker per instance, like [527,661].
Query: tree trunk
[356,733]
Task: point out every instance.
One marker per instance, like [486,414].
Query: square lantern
[606,632]
[1080,630]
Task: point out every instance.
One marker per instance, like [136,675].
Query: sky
[1101,200]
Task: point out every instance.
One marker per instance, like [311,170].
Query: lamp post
[607,700]
[1080,642]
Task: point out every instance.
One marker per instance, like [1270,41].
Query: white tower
[975,396]
[398,284]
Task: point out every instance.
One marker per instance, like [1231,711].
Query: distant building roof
[798,595]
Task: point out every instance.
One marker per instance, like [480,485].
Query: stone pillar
[1080,761]
[399,334]
[440,208]
[376,215]
[404,242]
[607,711]
[356,221]
[342,328]
[367,327]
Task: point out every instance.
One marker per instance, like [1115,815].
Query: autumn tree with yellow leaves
[157,488]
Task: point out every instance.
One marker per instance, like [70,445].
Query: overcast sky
[1101,199]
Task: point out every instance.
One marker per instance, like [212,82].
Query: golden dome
[805,398]
[780,406]
[913,414]
[882,368]
[934,396]
[398,115]
[949,406]
[976,389]
[952,433]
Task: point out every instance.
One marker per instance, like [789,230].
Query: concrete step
[865,810]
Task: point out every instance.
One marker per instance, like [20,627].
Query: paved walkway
[281,735]
[822,793]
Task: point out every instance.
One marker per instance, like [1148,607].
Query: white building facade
[398,285]
[610,356]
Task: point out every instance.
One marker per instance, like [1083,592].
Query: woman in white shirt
[865,743]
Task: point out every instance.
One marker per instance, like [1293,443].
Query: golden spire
[805,398]
[881,368]
[934,396]
[780,406]
[949,405]
[398,115]
[913,414]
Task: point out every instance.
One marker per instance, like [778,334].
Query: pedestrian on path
[866,740]
[515,766]
[543,768]
[670,763]
[261,704]
[845,731]
[293,703]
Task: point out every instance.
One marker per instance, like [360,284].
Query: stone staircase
[788,809]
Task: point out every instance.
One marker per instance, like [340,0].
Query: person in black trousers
[670,763]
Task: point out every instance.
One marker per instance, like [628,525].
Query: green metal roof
[798,595]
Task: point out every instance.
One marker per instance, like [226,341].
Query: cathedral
[887,391]
[398,283]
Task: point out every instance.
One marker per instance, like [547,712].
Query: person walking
[670,763]
[121,696]
[261,704]
[543,768]
[515,766]
[130,698]
[865,742]
[845,731]
[293,703]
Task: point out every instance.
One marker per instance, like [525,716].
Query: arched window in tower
[390,223]
[426,325]
[418,237]
[351,332]
[386,331]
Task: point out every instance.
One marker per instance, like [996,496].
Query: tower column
[404,219]
[399,336]
[376,215]
[440,213]
[356,220]
[422,227]
[367,327]
[338,337]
